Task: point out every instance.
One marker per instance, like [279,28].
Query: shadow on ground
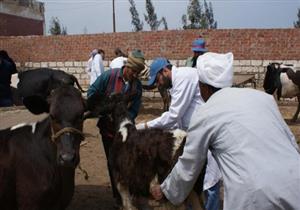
[92,197]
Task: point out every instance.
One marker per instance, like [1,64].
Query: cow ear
[36,104]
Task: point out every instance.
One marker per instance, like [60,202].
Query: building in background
[21,18]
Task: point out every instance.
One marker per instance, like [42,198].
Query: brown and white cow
[285,80]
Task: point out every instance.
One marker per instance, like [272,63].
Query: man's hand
[156,192]
[141,126]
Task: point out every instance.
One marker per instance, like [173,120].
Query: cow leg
[294,119]
[126,201]
[165,96]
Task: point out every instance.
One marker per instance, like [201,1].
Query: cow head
[272,78]
[66,108]
[116,105]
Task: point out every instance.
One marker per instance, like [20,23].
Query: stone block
[236,62]
[60,64]
[181,63]
[68,64]
[72,70]
[256,62]
[28,64]
[80,70]
[237,69]
[157,95]
[174,62]
[36,65]
[52,64]
[148,94]
[84,63]
[245,62]
[261,69]
[44,64]
[77,64]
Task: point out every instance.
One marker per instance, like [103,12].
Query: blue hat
[199,45]
[157,65]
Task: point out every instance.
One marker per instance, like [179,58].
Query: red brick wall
[19,26]
[248,44]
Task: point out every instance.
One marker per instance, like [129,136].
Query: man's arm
[100,84]
[182,178]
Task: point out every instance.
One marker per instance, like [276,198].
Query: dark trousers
[107,133]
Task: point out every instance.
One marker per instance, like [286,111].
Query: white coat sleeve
[183,176]
[181,97]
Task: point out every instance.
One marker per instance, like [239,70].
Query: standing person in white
[95,65]
[88,68]
[254,148]
[185,100]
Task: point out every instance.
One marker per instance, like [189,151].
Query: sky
[95,16]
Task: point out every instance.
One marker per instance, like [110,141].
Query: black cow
[285,81]
[140,157]
[41,81]
[38,161]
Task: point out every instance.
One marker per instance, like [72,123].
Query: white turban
[216,69]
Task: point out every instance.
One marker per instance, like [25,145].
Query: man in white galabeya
[256,152]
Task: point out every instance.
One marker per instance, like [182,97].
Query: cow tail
[77,83]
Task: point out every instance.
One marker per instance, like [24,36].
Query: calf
[141,157]
[38,161]
[285,80]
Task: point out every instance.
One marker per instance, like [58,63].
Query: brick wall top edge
[255,44]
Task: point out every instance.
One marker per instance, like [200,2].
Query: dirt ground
[95,193]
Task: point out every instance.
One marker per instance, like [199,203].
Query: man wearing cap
[198,48]
[182,83]
[254,148]
[185,99]
[124,80]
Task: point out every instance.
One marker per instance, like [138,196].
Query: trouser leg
[213,197]
[107,140]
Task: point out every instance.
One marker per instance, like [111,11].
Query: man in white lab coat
[254,148]
[183,85]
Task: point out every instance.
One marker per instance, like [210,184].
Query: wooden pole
[114,17]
